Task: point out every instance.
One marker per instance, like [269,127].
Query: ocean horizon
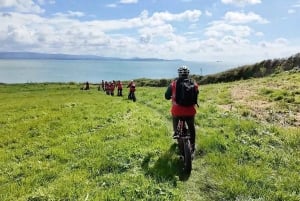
[51,70]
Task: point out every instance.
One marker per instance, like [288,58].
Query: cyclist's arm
[168,93]
[197,92]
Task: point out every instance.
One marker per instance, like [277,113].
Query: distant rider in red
[131,87]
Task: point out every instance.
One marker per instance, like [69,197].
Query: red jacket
[131,87]
[178,110]
[120,85]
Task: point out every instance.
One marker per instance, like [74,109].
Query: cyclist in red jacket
[131,95]
[177,110]
[120,88]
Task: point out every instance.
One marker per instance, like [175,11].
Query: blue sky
[243,31]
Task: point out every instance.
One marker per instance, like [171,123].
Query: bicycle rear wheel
[187,157]
[180,142]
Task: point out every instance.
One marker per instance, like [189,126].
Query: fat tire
[187,157]
[180,146]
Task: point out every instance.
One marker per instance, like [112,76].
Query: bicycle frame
[182,129]
[184,144]
[131,96]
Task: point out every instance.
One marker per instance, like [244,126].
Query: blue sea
[32,71]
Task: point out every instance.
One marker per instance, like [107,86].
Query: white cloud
[277,44]
[144,14]
[163,31]
[155,34]
[111,5]
[240,50]
[291,11]
[241,2]
[259,34]
[296,5]
[294,8]
[114,5]
[229,39]
[70,14]
[43,2]
[281,41]
[128,1]
[220,29]
[190,15]
[207,13]
[242,18]
[25,6]
[20,34]
[62,33]
[145,38]
[193,26]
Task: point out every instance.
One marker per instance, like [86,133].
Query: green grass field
[62,143]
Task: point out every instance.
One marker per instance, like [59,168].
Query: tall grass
[62,143]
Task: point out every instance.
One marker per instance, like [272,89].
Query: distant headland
[35,55]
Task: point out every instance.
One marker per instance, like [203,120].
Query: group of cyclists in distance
[109,88]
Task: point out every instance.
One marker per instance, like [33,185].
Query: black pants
[120,92]
[191,125]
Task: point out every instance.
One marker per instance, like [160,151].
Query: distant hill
[260,69]
[34,55]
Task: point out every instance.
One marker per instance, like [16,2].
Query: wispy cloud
[28,6]
[220,29]
[128,1]
[43,2]
[291,11]
[114,5]
[207,13]
[296,5]
[241,2]
[111,5]
[70,14]
[243,18]
[259,34]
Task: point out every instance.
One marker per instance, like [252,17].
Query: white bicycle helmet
[183,71]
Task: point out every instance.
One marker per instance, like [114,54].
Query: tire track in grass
[150,108]
[192,187]
[154,142]
[153,103]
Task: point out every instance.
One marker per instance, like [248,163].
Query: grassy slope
[60,143]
